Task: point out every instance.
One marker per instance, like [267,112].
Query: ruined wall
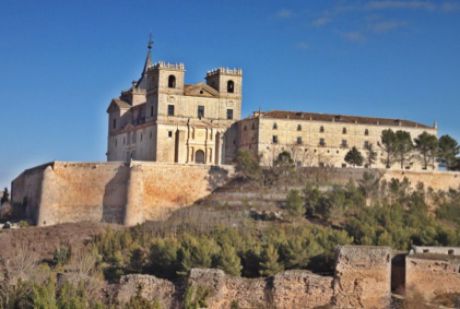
[116,192]
[362,277]
[362,280]
[438,180]
[301,289]
[432,274]
[434,179]
[293,289]
[150,288]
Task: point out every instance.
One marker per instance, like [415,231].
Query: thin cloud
[322,21]
[284,13]
[449,7]
[406,5]
[353,36]
[303,45]
[387,26]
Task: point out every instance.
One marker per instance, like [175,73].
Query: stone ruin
[362,280]
[365,277]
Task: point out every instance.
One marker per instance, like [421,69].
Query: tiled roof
[342,119]
[118,103]
[121,103]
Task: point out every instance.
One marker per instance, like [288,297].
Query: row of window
[200,112]
[321,129]
[172,84]
[322,142]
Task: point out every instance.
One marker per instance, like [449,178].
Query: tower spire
[150,42]
[148,60]
[147,65]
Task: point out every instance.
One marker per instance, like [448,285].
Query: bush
[294,203]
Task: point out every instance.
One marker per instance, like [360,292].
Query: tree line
[399,148]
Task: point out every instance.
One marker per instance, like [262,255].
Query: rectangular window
[170,133]
[151,111]
[366,144]
[229,114]
[275,139]
[344,143]
[170,110]
[299,140]
[114,123]
[322,142]
[200,111]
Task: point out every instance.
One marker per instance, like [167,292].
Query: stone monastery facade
[161,118]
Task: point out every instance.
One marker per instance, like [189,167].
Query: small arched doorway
[199,157]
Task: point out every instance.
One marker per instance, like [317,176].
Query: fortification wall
[362,277]
[26,192]
[434,179]
[432,274]
[60,192]
[116,192]
[362,280]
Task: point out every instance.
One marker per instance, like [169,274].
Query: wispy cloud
[387,26]
[303,46]
[401,5]
[322,21]
[353,36]
[450,7]
[284,13]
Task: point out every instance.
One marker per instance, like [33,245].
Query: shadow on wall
[115,196]
[217,176]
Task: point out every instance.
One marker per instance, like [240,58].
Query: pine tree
[5,196]
[371,155]
[247,164]
[269,264]
[354,157]
[294,203]
[403,147]
[448,151]
[427,146]
[388,141]
[229,261]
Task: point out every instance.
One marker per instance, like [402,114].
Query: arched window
[321,129]
[230,86]
[275,126]
[199,157]
[366,132]
[344,130]
[299,127]
[171,81]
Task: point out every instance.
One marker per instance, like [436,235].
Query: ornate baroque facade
[160,118]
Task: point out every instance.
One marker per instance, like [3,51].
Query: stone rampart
[116,192]
[362,280]
[362,277]
[438,180]
[431,274]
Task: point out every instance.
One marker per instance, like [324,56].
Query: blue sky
[62,61]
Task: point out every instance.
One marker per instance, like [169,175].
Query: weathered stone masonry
[117,192]
[357,267]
